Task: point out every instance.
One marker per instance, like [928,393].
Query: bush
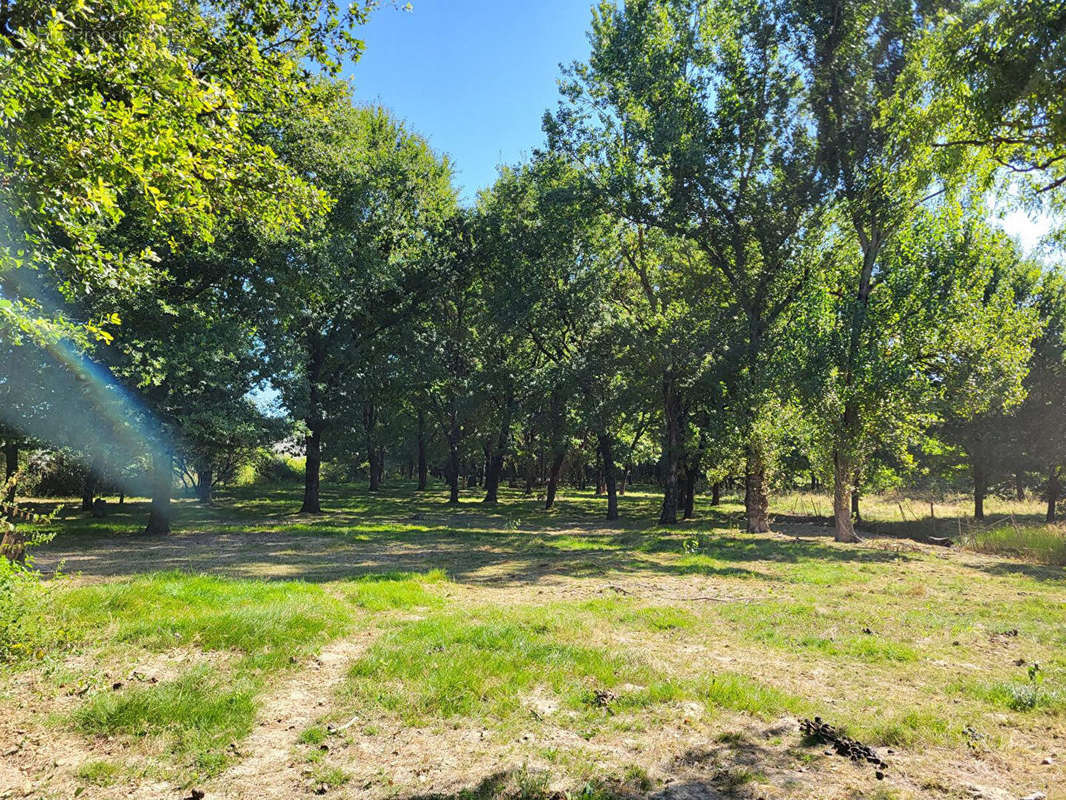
[22,599]
[270,467]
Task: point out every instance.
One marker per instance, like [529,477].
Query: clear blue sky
[475,77]
[472,76]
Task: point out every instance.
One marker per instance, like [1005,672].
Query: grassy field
[398,647]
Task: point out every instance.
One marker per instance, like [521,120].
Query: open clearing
[398,647]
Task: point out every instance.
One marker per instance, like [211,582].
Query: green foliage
[76,161]
[22,601]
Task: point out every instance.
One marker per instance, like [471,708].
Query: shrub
[270,467]
[22,599]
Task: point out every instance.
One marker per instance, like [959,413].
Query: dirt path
[267,768]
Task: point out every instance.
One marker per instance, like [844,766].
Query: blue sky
[476,76]
[472,76]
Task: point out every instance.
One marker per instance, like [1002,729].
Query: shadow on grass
[728,769]
[254,532]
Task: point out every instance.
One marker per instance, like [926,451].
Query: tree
[86,89]
[704,136]
[996,67]
[325,296]
[857,57]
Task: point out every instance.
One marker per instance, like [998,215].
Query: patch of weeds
[731,737]
[636,776]
[98,772]
[200,712]
[1043,543]
[330,776]
[1028,695]
[446,665]
[27,632]
[909,728]
[531,784]
[1021,696]
[734,777]
[316,734]
[162,610]
[394,590]
[741,693]
[795,625]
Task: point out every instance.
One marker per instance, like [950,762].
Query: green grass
[513,620]
[257,628]
[1045,544]
[481,663]
[200,713]
[99,772]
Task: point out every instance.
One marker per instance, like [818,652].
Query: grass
[525,623]
[1045,544]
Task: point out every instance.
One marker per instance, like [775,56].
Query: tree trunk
[11,466]
[610,483]
[844,526]
[422,467]
[980,487]
[756,502]
[1019,487]
[494,463]
[88,490]
[856,513]
[1053,488]
[205,477]
[553,478]
[162,484]
[625,480]
[369,424]
[312,470]
[688,492]
[716,493]
[453,461]
[672,444]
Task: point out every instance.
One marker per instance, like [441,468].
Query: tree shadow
[255,533]
[728,768]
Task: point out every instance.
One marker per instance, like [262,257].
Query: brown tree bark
[205,478]
[756,500]
[312,470]
[1053,490]
[844,525]
[980,487]
[716,493]
[315,426]
[553,478]
[610,483]
[423,469]
[856,512]
[372,453]
[494,462]
[672,444]
[452,472]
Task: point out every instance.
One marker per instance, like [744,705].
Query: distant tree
[704,135]
[327,295]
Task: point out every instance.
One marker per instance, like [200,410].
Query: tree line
[754,248]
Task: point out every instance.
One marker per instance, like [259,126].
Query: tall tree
[326,296]
[704,135]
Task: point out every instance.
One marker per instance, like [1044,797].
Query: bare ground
[684,756]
